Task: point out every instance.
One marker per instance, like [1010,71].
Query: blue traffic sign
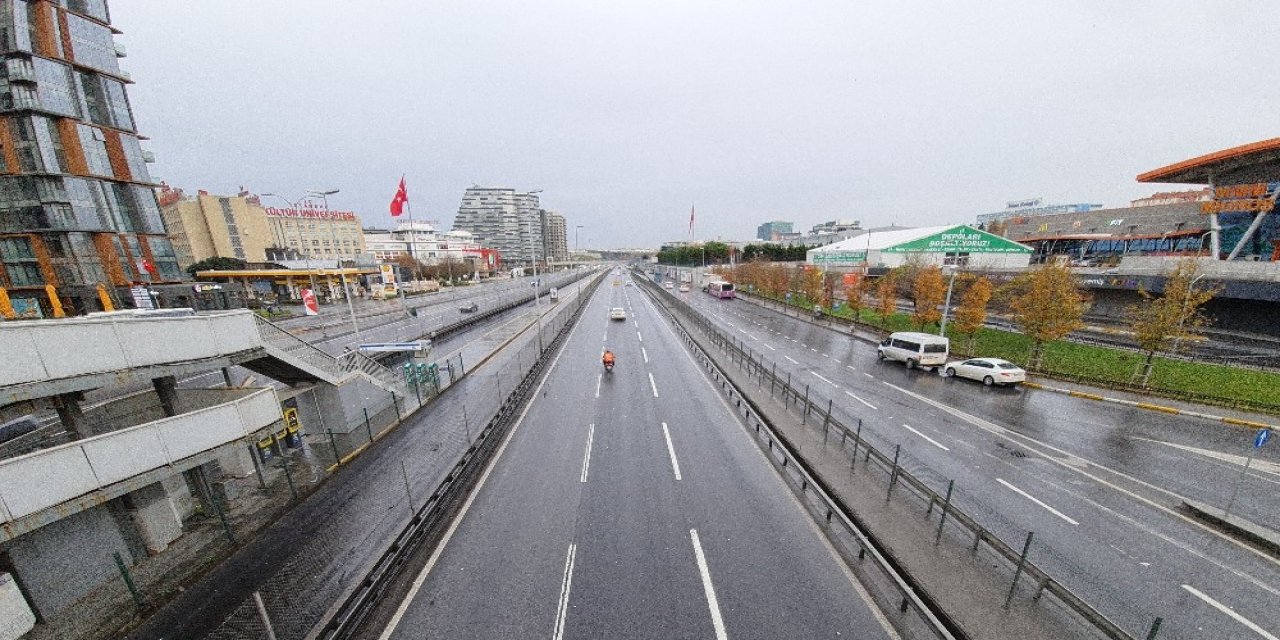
[1261,438]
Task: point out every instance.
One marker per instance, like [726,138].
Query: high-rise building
[773,231]
[555,237]
[206,226]
[506,220]
[76,204]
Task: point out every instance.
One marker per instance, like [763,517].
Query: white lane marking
[791,359]
[606,336]
[421,578]
[751,336]
[653,385]
[645,354]
[675,464]
[717,622]
[731,324]
[770,348]
[1033,499]
[1229,611]
[850,367]
[826,355]
[1258,465]
[1076,464]
[819,376]
[867,374]
[803,344]
[742,330]
[586,455]
[861,400]
[931,440]
[599,379]
[813,350]
[562,611]
[639,337]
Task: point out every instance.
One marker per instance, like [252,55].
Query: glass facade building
[77,206]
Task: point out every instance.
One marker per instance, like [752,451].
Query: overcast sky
[626,113]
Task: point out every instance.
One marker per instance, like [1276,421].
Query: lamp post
[946,308]
[342,273]
[311,274]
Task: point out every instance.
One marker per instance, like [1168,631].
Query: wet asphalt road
[1098,483]
[621,503]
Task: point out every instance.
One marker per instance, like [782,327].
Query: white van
[915,349]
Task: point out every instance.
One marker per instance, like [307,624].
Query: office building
[773,231]
[311,230]
[555,237]
[1034,207]
[506,220]
[206,226]
[421,240]
[77,209]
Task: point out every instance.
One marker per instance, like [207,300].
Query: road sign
[1261,438]
[387,347]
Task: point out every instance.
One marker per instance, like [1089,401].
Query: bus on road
[720,289]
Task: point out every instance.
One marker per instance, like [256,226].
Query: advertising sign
[27,309]
[309,305]
[1259,197]
[839,257]
[388,274]
[960,239]
[141,298]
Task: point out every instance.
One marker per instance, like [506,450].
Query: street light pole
[306,255]
[342,273]
[946,308]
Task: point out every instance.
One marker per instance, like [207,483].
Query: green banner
[960,239]
[839,257]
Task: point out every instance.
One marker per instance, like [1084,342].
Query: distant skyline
[626,113]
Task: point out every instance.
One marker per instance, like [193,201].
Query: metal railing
[810,403]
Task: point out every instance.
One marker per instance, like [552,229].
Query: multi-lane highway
[631,505]
[1100,484]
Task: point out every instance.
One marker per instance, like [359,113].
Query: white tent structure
[958,245]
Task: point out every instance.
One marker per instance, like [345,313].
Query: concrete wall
[64,559]
[343,404]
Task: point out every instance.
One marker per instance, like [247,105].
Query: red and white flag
[401,199]
[691,219]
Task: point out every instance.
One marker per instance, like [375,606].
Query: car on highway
[990,371]
[469,307]
[630,283]
[684,288]
[617,313]
[915,349]
[668,284]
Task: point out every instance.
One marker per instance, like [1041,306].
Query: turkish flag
[402,198]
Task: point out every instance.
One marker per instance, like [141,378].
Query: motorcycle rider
[607,359]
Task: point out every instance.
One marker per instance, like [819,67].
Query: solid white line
[653,385]
[586,455]
[1227,610]
[1033,499]
[819,376]
[791,359]
[770,348]
[861,400]
[645,354]
[717,622]
[562,611]
[931,440]
[675,465]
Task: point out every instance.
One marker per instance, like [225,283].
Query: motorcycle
[608,366]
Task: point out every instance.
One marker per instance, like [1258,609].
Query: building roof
[882,239]
[1203,169]
[951,238]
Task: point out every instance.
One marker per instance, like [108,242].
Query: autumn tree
[971,314]
[1171,318]
[887,294]
[1047,304]
[410,265]
[810,284]
[927,290]
[855,290]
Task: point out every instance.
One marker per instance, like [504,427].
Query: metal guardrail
[754,364]
[428,521]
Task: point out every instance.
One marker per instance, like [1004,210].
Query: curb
[1152,407]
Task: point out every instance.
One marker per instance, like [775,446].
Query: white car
[991,371]
[684,288]
[667,284]
[617,313]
